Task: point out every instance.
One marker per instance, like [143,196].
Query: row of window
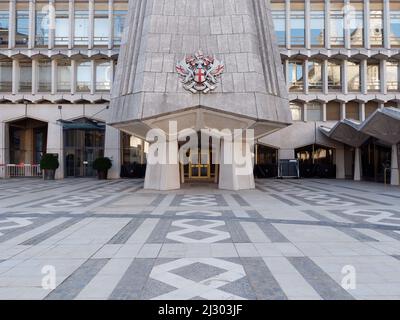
[334,110]
[343,18]
[56,17]
[87,73]
[313,71]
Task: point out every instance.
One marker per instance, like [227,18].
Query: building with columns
[340,59]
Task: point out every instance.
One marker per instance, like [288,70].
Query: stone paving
[288,239]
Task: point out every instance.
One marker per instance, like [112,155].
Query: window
[373,76]
[61,24]
[370,108]
[376,24]
[101,24]
[42,24]
[315,75]
[395,24]
[333,111]
[317,24]
[278,16]
[81,24]
[25,76]
[337,25]
[297,111]
[334,76]
[83,76]
[120,12]
[22,24]
[295,74]
[353,70]
[5,75]
[353,110]
[314,111]
[64,75]
[44,75]
[4,23]
[297,24]
[103,76]
[356,24]
[392,74]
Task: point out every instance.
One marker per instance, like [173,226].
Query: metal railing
[20,170]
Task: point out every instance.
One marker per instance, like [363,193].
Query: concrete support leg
[3,149]
[340,167]
[394,172]
[236,168]
[55,145]
[357,165]
[162,173]
[113,151]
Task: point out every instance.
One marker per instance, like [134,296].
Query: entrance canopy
[383,124]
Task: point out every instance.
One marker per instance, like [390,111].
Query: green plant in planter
[49,164]
[102,165]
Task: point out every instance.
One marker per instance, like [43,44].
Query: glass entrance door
[199,165]
[81,148]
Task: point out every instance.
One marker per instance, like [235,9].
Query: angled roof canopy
[383,124]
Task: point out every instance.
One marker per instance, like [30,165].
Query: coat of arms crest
[200,73]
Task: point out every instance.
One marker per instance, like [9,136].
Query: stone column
[233,175]
[71,12]
[347,37]
[52,30]
[307,25]
[3,148]
[111,22]
[73,76]
[55,144]
[394,172]
[35,76]
[340,168]
[327,24]
[367,43]
[287,24]
[345,79]
[364,76]
[15,76]
[342,110]
[324,112]
[305,76]
[163,175]
[12,24]
[386,24]
[383,76]
[113,151]
[32,23]
[54,76]
[357,165]
[362,111]
[91,24]
[325,80]
[93,76]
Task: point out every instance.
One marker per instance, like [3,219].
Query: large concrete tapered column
[357,165]
[55,145]
[394,172]
[113,151]
[3,148]
[162,171]
[340,167]
[236,169]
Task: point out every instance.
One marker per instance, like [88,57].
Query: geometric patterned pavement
[288,239]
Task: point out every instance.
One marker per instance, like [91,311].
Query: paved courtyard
[288,239]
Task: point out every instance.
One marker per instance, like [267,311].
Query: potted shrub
[49,164]
[102,165]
